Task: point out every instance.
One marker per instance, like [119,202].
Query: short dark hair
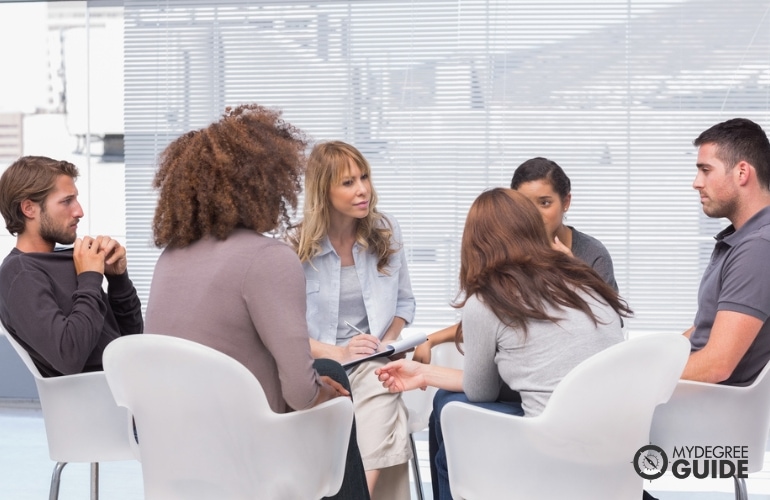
[539,168]
[740,139]
[29,178]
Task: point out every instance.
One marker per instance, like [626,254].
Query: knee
[333,370]
[443,397]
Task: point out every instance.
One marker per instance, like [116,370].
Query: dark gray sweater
[595,254]
[62,319]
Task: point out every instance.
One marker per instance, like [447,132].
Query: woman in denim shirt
[357,280]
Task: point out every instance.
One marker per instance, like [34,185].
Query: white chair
[206,430]
[583,444]
[701,414]
[420,404]
[82,421]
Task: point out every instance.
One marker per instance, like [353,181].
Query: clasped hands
[102,254]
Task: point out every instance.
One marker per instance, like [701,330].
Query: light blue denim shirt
[385,295]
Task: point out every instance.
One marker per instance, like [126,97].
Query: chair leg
[95,481]
[740,489]
[416,469]
[55,480]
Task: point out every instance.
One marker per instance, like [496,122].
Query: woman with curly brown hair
[357,281]
[220,281]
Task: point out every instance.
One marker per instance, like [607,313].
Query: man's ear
[744,172]
[30,208]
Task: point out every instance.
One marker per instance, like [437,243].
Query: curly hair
[33,178]
[327,164]
[507,260]
[244,170]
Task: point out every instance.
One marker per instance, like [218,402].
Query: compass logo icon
[650,462]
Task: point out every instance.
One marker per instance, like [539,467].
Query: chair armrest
[83,422]
[703,414]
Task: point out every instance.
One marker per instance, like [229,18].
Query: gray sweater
[535,362]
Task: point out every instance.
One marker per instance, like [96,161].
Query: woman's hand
[402,375]
[360,346]
[561,247]
[339,389]
[330,389]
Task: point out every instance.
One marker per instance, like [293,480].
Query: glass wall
[61,95]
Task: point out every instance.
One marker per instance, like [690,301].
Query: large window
[446,98]
[61,95]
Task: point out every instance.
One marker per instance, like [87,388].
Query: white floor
[25,469]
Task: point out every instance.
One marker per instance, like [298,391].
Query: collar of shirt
[732,237]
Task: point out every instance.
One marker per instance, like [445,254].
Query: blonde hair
[327,164]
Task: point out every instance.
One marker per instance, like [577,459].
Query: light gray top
[535,362]
[352,308]
[595,254]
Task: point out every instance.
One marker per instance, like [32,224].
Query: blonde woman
[357,281]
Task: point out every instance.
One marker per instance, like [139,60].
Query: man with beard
[51,300]
[731,334]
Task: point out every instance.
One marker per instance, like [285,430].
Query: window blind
[446,98]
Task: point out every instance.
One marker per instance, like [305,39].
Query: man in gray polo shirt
[731,334]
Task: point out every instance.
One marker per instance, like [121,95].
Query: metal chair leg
[740,489]
[95,481]
[55,480]
[416,469]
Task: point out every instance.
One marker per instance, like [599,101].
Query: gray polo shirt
[738,279]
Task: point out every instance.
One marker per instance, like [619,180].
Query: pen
[362,333]
[356,329]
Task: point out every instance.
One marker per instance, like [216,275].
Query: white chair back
[206,430]
[583,444]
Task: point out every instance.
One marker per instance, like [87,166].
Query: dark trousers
[354,485]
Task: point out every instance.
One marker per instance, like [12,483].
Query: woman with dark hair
[220,281]
[359,296]
[544,182]
[530,315]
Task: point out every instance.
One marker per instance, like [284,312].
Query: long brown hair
[507,261]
